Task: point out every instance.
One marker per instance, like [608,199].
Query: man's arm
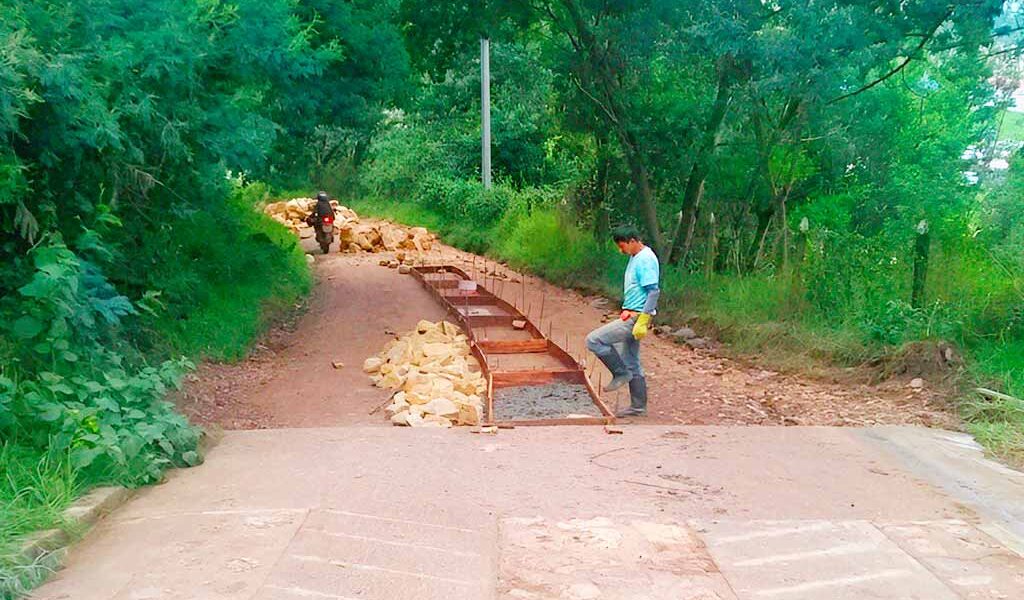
[650,305]
[653,292]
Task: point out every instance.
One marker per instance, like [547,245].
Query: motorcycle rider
[324,231]
[323,207]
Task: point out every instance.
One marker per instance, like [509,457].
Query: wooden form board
[442,281]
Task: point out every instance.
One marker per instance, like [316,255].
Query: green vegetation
[795,179]
[1012,127]
[796,166]
[37,486]
[130,241]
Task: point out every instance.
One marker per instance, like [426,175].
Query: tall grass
[230,270]
[35,488]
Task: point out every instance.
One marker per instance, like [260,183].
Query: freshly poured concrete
[556,512]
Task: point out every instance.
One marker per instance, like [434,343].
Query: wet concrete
[551,401]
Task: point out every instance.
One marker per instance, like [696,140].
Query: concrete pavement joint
[210,513]
[844,550]
[695,532]
[777,533]
[924,565]
[284,549]
[843,581]
[364,538]
[402,521]
[304,593]
[365,567]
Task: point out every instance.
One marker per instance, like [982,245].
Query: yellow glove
[640,327]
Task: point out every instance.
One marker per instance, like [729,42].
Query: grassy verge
[998,423]
[758,315]
[35,488]
[244,270]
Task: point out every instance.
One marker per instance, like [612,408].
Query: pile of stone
[437,380]
[354,235]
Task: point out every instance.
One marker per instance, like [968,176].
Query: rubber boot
[637,398]
[620,373]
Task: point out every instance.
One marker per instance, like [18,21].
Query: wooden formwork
[476,311]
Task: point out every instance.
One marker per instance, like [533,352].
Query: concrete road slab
[811,560]
[214,556]
[400,514]
[955,463]
[970,561]
[621,559]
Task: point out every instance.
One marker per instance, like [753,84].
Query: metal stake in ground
[523,279]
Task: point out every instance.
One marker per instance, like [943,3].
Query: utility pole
[485,111]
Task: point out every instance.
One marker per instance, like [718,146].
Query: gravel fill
[551,401]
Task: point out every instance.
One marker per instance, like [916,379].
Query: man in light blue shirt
[639,304]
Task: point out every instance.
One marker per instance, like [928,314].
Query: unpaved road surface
[359,305]
[309,497]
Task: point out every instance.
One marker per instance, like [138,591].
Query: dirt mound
[926,359]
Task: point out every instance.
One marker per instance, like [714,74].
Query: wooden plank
[442,284]
[478,298]
[564,357]
[559,421]
[490,321]
[538,377]
[994,395]
[514,346]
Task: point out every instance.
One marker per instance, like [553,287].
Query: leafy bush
[68,388]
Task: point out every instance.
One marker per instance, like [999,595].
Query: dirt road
[359,305]
[333,504]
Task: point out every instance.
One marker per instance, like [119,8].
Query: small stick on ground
[660,487]
[380,406]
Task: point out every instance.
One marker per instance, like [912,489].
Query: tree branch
[903,64]
[604,108]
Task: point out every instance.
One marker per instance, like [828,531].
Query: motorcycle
[324,228]
[325,231]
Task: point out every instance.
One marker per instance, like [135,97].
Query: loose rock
[354,235]
[698,343]
[437,380]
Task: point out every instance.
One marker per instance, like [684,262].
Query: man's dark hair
[625,233]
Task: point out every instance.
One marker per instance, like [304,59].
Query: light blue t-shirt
[643,270]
